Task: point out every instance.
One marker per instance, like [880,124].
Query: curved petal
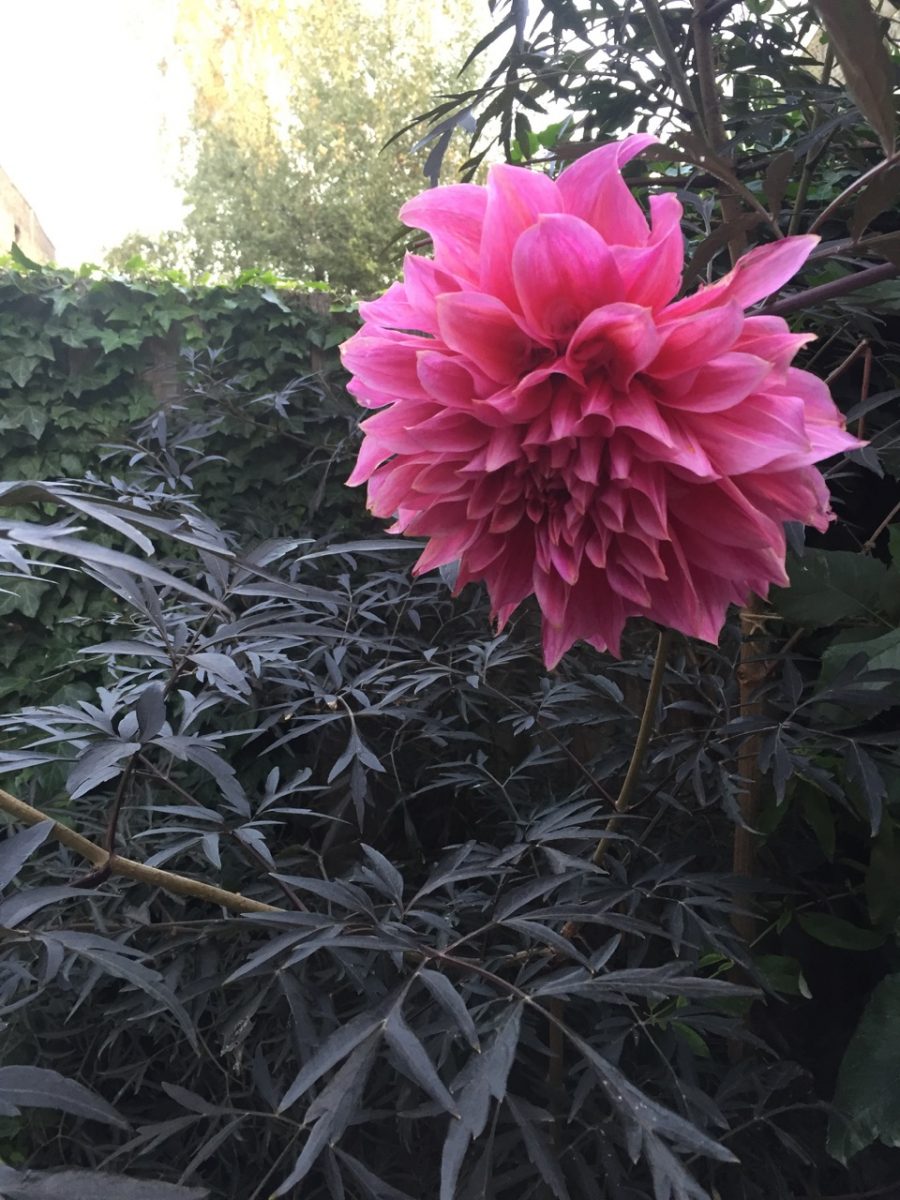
[593,188]
[516,197]
[689,342]
[621,338]
[482,328]
[652,274]
[384,364]
[562,270]
[423,282]
[453,217]
[717,385]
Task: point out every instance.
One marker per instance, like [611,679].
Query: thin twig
[870,541]
[669,55]
[829,291]
[812,159]
[248,850]
[178,885]
[851,188]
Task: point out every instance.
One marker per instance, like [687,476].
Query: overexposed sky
[89,124]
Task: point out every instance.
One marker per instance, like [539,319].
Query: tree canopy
[287,168]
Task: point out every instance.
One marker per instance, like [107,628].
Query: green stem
[648,717]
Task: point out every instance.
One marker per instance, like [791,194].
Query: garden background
[375,959]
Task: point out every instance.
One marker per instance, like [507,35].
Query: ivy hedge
[86,357]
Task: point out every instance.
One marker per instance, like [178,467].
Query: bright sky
[89,124]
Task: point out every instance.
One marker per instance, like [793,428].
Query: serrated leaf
[101,762]
[879,196]
[776,179]
[115,963]
[150,711]
[15,909]
[539,1151]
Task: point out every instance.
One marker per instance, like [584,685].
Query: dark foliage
[448,1000]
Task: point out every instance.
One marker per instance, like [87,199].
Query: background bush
[449,1000]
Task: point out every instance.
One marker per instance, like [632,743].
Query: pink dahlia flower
[556,421]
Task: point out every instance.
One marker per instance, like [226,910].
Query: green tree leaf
[867,1097]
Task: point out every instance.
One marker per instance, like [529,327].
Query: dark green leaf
[867,1098]
[855,32]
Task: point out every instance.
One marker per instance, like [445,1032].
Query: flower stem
[752,673]
[623,800]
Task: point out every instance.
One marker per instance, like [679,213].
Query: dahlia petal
[453,217]
[729,562]
[652,274]
[551,592]
[637,409]
[423,282]
[484,497]
[447,378]
[621,337]
[753,434]
[771,339]
[441,519]
[795,495]
[443,550]
[438,478]
[505,446]
[368,397]
[756,275]
[765,269]
[720,384]
[372,454]
[824,422]
[482,328]
[389,486]
[385,365]
[506,517]
[450,431]
[516,197]
[690,342]
[627,583]
[593,188]
[393,310]
[509,578]
[562,269]
[486,550]
[722,513]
